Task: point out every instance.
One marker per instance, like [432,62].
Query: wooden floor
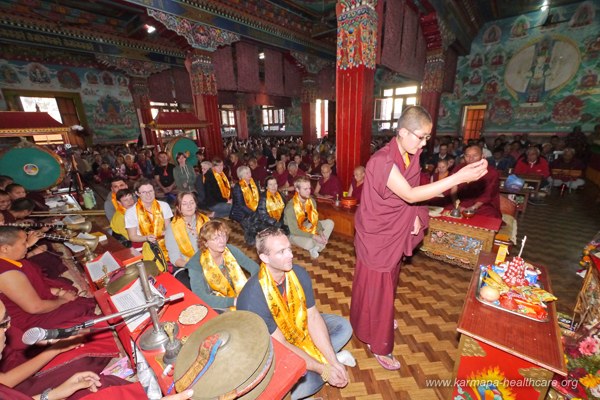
[430,295]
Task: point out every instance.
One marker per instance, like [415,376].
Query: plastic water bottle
[337,200]
[89,200]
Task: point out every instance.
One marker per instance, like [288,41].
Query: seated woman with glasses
[146,222]
[181,236]
[217,269]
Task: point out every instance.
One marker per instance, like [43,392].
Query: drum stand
[75,178]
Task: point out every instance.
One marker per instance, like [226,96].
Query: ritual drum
[32,166]
[183,145]
[243,359]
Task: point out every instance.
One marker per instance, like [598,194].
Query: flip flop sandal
[386,361]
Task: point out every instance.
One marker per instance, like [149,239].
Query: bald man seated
[482,195]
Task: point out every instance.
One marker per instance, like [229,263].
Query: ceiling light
[149,28]
[261,55]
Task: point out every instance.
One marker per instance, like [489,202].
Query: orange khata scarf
[275,205]
[215,277]
[250,192]
[152,224]
[182,238]
[301,215]
[223,183]
[291,317]
[118,206]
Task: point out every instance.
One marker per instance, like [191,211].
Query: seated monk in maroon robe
[32,300]
[62,383]
[329,185]
[483,195]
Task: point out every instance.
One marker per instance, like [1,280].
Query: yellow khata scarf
[301,215]
[223,183]
[275,205]
[250,192]
[217,280]
[152,224]
[406,160]
[181,235]
[291,317]
[118,207]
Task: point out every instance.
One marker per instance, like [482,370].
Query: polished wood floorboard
[431,293]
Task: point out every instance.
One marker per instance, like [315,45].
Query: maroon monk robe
[67,315]
[333,187]
[485,190]
[383,225]
[357,190]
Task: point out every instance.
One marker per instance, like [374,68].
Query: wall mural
[536,73]
[108,104]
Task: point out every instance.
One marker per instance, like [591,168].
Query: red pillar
[308,100]
[355,70]
[206,105]
[141,99]
[433,81]
[241,117]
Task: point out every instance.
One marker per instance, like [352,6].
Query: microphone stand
[155,338]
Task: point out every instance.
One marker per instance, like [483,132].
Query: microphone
[34,335]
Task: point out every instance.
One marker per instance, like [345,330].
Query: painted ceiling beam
[253,27]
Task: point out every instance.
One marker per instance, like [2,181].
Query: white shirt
[131,218]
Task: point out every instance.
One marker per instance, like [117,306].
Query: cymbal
[130,274]
[245,357]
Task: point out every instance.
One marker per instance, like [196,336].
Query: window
[322,118]
[472,123]
[389,107]
[44,104]
[273,119]
[228,126]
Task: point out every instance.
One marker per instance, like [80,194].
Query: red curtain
[293,79]
[68,113]
[224,73]
[247,67]
[274,72]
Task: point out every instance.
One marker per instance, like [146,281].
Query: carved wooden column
[206,105]
[308,98]
[438,38]
[355,70]
[241,116]
[141,99]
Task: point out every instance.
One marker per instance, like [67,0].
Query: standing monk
[388,227]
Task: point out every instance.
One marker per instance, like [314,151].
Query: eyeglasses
[5,323]
[421,138]
[147,192]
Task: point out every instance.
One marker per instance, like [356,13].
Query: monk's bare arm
[16,286]
[398,184]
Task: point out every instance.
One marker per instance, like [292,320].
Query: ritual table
[509,353]
[343,218]
[460,240]
[289,367]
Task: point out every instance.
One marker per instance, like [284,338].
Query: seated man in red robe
[483,195]
[329,186]
[280,174]
[32,300]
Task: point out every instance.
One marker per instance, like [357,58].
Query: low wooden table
[460,240]
[500,348]
[343,218]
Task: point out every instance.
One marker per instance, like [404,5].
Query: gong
[183,145]
[34,167]
[124,276]
[243,364]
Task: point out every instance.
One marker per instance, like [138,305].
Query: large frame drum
[34,167]
[243,364]
[184,145]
